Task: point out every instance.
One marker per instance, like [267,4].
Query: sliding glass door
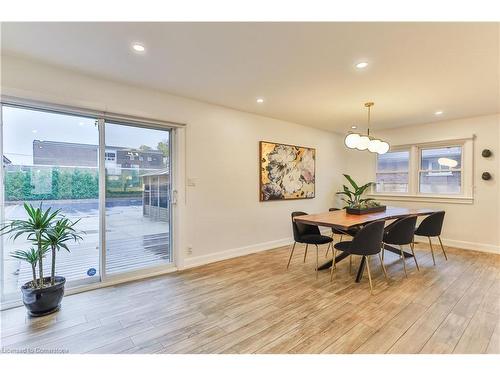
[50,159]
[137,198]
[114,178]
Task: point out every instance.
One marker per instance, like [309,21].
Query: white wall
[221,216]
[472,226]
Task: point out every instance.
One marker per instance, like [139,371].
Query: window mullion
[413,178]
[2,206]
[102,198]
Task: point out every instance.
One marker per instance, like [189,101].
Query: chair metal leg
[442,247]
[328,248]
[367,262]
[432,251]
[412,245]
[340,240]
[291,253]
[317,261]
[403,258]
[383,266]
[305,253]
[333,263]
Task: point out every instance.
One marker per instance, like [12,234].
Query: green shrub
[53,183]
[23,184]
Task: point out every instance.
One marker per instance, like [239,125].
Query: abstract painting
[286,171]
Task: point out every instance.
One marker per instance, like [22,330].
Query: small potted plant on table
[354,203]
[47,231]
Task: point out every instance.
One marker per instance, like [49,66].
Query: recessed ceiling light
[137,47]
[260,100]
[438,113]
[354,127]
[361,65]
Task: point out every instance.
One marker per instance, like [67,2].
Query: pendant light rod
[369,105]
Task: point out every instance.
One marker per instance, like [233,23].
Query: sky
[22,126]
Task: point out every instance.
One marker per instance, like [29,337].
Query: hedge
[22,184]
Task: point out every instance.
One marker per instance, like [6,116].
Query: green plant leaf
[46,230]
[30,256]
[362,189]
[351,181]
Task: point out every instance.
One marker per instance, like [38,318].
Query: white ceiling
[305,71]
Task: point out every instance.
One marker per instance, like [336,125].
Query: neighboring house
[86,155]
[135,158]
[64,154]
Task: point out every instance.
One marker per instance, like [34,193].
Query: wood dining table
[343,221]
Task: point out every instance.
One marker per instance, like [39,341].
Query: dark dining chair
[431,226]
[308,235]
[366,242]
[350,232]
[401,232]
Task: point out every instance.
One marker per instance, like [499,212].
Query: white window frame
[466,195]
[177,154]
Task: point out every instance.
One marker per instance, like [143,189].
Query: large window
[113,178]
[439,169]
[392,172]
[43,165]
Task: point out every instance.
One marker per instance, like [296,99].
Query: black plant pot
[44,301]
[369,210]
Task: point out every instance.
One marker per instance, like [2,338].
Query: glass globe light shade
[363,143]
[351,141]
[374,145]
[383,148]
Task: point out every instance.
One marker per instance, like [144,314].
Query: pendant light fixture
[363,142]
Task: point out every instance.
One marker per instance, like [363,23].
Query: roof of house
[91,146]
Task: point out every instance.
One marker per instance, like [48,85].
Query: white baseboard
[467,245]
[240,251]
[233,253]
[245,250]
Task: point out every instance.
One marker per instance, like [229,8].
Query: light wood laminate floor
[251,304]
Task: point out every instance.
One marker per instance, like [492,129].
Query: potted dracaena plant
[355,204]
[47,231]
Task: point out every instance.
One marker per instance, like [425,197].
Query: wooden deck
[251,304]
[122,255]
[149,250]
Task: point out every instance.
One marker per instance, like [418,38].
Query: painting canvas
[286,172]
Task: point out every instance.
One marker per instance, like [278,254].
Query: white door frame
[177,193]
[107,279]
